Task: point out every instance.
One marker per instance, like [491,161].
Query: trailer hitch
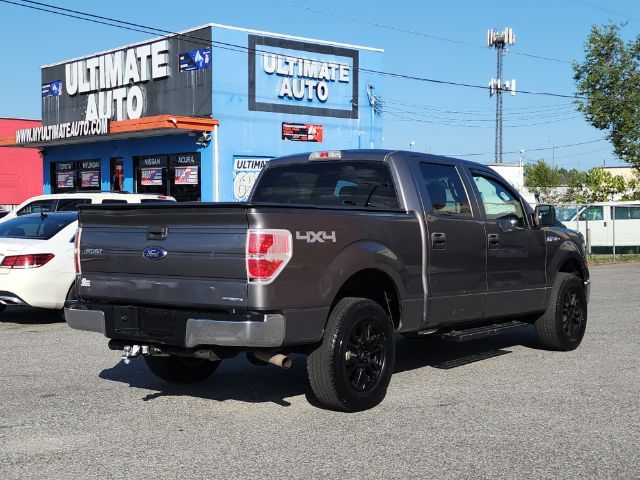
[132,351]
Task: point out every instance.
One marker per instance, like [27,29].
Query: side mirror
[545,216]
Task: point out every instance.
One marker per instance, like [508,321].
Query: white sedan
[36,259]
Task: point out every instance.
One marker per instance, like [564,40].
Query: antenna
[500,41]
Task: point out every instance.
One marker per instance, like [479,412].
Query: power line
[234,47]
[598,7]
[516,117]
[414,119]
[411,32]
[486,111]
[539,149]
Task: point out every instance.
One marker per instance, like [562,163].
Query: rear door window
[36,206]
[445,190]
[336,184]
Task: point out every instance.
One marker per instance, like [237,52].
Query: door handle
[438,241]
[494,240]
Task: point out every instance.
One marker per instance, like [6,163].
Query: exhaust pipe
[277,359]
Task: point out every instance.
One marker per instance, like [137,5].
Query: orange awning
[121,129]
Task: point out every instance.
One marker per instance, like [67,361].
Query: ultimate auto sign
[171,75]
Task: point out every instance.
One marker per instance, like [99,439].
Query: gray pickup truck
[333,254]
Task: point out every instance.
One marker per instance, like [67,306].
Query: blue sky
[440,119]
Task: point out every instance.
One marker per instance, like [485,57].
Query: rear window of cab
[359,184]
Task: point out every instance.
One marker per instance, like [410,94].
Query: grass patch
[604,259]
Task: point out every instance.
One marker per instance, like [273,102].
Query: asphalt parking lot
[70,409]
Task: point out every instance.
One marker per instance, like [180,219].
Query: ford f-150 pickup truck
[332,255]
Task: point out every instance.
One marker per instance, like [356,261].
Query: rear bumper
[177,328]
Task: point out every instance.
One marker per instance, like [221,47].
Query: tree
[608,82]
[599,185]
[542,178]
[633,187]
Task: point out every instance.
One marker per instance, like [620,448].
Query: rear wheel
[352,368]
[563,325]
[181,369]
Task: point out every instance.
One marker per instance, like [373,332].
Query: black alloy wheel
[364,355]
[572,314]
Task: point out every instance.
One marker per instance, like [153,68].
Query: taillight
[26,261]
[267,253]
[76,251]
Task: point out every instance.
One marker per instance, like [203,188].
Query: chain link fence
[607,228]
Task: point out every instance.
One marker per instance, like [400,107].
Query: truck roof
[379,155]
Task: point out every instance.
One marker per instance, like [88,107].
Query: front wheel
[181,369]
[563,325]
[352,368]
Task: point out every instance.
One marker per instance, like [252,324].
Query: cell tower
[500,41]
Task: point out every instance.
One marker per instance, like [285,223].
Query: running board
[484,331]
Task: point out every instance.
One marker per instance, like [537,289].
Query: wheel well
[572,265]
[374,285]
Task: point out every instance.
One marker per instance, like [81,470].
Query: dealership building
[197,114]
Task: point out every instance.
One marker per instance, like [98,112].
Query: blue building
[196,115]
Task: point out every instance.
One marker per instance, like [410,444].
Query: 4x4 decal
[313,237]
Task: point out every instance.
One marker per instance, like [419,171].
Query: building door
[456,247]
[516,273]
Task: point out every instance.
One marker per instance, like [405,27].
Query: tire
[181,369]
[563,325]
[352,368]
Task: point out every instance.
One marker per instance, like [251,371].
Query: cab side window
[498,200]
[445,190]
[36,207]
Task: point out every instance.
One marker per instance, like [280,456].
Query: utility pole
[500,41]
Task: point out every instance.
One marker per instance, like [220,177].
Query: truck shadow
[237,379]
[30,316]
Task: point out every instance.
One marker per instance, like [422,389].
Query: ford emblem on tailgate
[154,253]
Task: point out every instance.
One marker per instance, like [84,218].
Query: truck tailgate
[186,256]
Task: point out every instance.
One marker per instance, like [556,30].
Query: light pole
[553,153]
[411,144]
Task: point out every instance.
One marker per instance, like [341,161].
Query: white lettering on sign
[63,130]
[112,80]
[303,78]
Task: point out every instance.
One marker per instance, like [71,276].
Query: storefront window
[89,174]
[117,174]
[151,175]
[175,175]
[83,175]
[185,177]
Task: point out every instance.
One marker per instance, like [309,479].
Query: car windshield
[37,226]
